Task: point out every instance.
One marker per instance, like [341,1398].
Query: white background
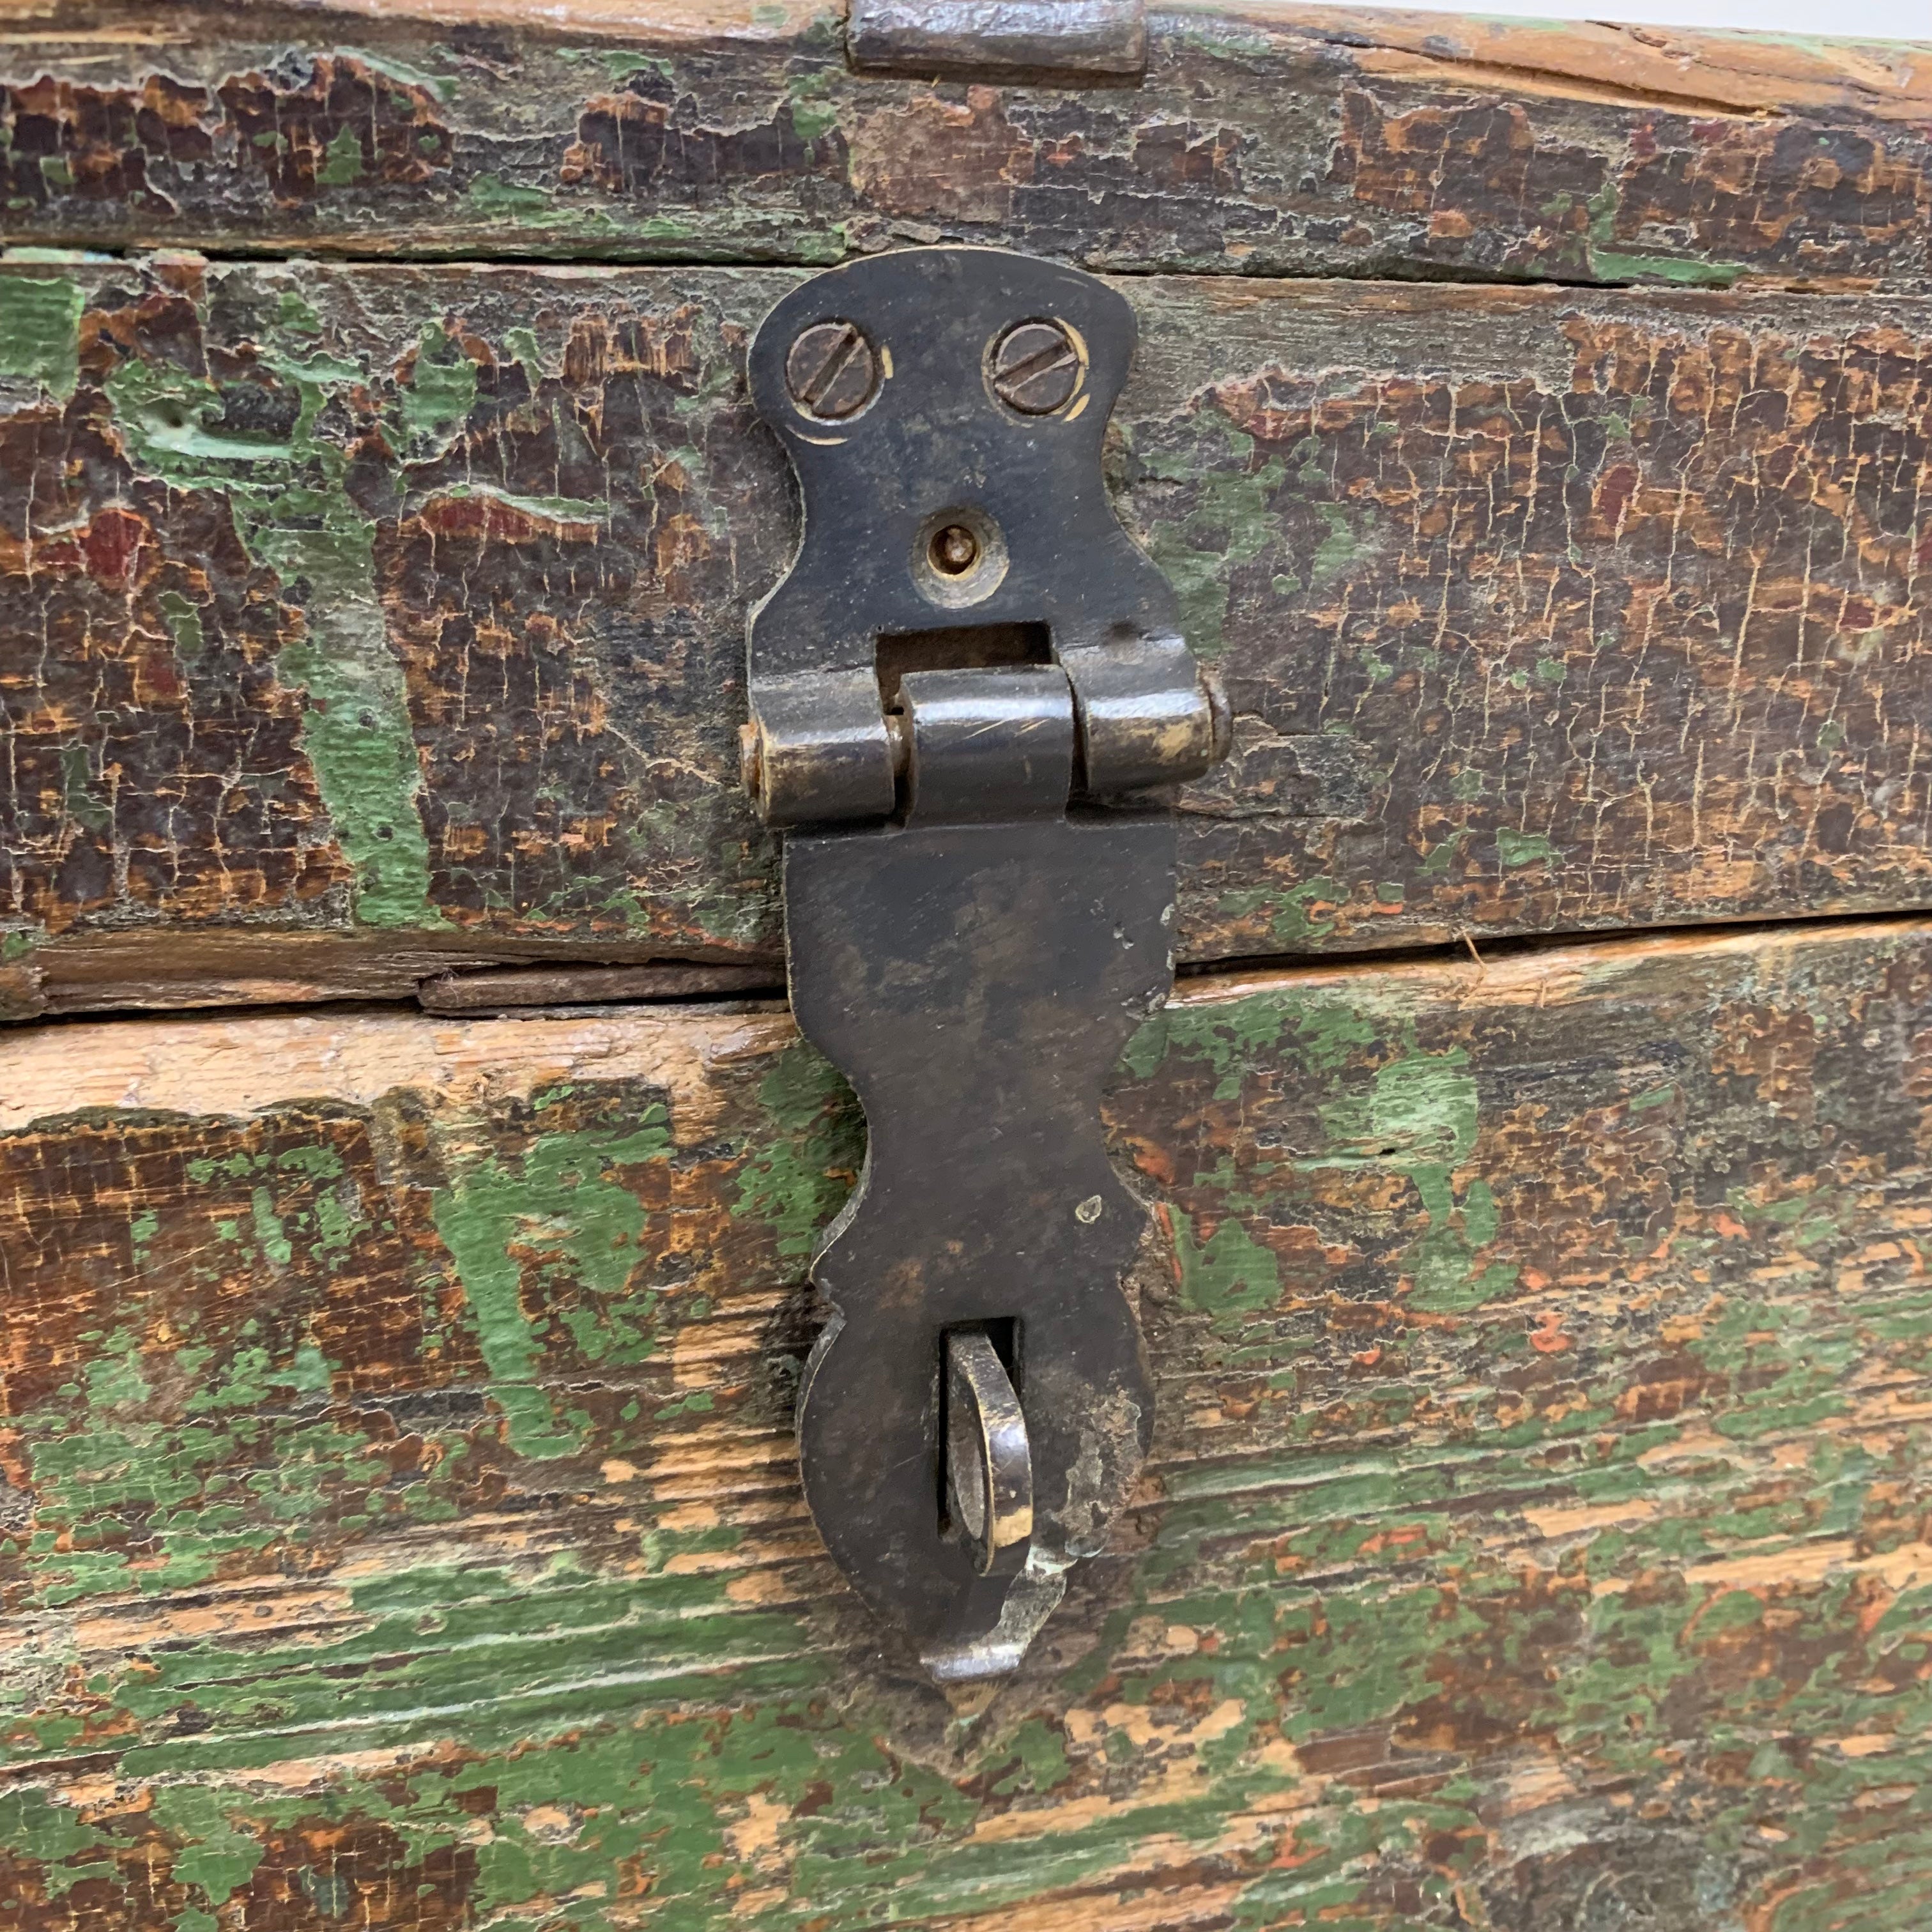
[1840,19]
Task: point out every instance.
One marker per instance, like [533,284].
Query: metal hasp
[969,697]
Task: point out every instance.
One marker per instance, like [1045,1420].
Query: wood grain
[1265,139]
[358,622]
[401,1526]
[399,1523]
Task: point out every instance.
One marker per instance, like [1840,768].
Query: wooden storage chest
[402,1250]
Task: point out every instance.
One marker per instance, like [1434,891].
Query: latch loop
[988,1460]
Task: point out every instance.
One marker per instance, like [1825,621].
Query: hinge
[970,702]
[1093,43]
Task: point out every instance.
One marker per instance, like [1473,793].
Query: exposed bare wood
[1263,139]
[589,986]
[402,1519]
[1754,74]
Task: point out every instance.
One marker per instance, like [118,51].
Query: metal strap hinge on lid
[969,698]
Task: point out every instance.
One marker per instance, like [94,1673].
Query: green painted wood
[401,1527]
[359,620]
[1265,138]
[399,1524]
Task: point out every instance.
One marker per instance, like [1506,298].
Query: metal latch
[1075,42]
[970,698]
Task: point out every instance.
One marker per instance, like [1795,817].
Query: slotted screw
[831,370]
[1036,368]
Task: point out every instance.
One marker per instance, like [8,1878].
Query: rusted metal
[975,982]
[937,465]
[976,957]
[1093,41]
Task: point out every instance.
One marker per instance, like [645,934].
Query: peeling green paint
[441,390]
[1305,913]
[1419,1119]
[1614,265]
[1420,1114]
[813,112]
[1441,856]
[1229,1273]
[558,1213]
[549,509]
[216,1857]
[295,315]
[1337,551]
[1233,521]
[620,63]
[81,798]
[1416,1118]
[492,198]
[293,512]
[343,163]
[184,623]
[358,734]
[40,332]
[272,1236]
[1331,1648]
[796,1183]
[1522,848]
[443,85]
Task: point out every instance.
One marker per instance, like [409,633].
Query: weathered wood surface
[401,1527]
[1264,140]
[359,621]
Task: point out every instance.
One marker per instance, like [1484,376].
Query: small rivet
[831,370]
[954,550]
[1088,1212]
[1036,368]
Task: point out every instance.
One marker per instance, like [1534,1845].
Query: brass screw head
[832,371]
[1036,368]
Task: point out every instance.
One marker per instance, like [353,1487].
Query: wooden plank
[401,1526]
[1265,138]
[359,622]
